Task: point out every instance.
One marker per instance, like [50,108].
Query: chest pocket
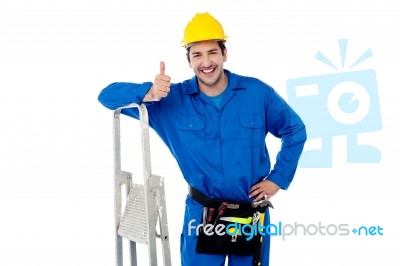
[191,131]
[252,130]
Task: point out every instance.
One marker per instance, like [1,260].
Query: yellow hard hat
[203,27]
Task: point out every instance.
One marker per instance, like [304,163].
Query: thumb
[162,68]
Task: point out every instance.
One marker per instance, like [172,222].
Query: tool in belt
[246,214]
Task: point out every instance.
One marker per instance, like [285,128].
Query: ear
[188,59]
[225,55]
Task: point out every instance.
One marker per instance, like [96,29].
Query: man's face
[207,60]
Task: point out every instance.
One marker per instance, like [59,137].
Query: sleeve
[284,123]
[119,94]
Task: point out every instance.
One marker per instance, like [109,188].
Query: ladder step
[133,224]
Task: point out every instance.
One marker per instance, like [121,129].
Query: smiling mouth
[208,71]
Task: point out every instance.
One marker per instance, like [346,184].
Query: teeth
[208,71]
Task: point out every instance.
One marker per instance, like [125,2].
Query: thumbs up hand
[161,86]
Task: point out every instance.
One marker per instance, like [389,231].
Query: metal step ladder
[145,203]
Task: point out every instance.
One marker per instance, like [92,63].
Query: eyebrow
[209,51]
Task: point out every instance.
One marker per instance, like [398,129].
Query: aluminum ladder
[145,203]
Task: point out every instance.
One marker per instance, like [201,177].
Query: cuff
[282,182]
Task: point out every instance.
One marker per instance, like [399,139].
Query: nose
[207,61]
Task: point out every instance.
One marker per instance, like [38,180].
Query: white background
[56,188]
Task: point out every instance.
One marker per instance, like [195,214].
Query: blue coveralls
[220,151]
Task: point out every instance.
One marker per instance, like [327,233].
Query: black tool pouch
[244,237]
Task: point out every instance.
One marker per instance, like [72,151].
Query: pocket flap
[251,121]
[190,123]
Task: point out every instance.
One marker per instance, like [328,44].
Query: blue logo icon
[344,103]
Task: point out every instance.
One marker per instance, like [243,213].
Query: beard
[210,81]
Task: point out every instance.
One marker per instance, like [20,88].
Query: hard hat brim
[188,45]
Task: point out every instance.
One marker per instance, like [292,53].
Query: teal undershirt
[216,99]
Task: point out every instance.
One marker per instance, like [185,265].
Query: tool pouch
[234,232]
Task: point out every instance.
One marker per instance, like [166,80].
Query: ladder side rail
[163,223]
[117,187]
[149,191]
[132,244]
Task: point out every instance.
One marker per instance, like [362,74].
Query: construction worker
[215,125]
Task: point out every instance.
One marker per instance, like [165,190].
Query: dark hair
[221,45]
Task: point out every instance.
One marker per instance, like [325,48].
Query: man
[215,125]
